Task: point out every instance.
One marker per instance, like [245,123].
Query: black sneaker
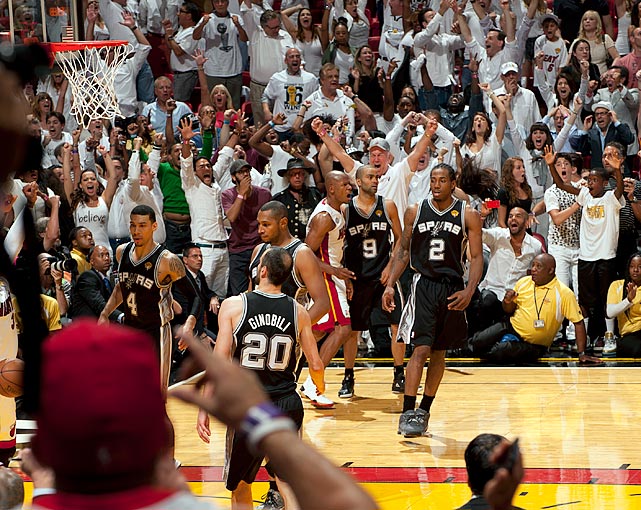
[398,386]
[272,501]
[347,388]
[413,423]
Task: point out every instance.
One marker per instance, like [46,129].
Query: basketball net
[91,74]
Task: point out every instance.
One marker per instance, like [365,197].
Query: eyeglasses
[181,11]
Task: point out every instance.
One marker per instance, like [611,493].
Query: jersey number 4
[258,351]
[131,303]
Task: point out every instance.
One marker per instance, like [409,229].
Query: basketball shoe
[272,501]
[347,388]
[398,386]
[319,401]
[413,423]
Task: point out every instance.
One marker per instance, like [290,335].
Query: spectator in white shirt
[223,33]
[329,100]
[182,45]
[125,79]
[200,182]
[267,46]
[500,46]
[112,12]
[512,251]
[141,188]
[285,92]
[525,109]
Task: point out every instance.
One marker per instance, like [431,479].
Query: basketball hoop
[91,70]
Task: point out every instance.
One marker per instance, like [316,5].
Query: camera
[69,265]
[195,123]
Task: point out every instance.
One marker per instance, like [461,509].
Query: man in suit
[591,140]
[481,468]
[193,260]
[93,287]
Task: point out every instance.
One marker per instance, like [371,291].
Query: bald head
[338,186]
[335,177]
[543,269]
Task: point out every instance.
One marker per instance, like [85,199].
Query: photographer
[52,279]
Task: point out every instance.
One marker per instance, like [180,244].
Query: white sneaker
[308,389]
[610,346]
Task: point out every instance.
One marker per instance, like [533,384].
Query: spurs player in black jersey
[306,277]
[435,234]
[370,223]
[146,272]
[262,330]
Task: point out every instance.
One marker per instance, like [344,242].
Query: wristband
[169,115]
[134,28]
[300,115]
[582,353]
[74,151]
[262,420]
[355,96]
[226,121]
[156,147]
[322,133]
[242,197]
[271,124]
[475,75]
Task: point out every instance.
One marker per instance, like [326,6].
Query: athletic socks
[426,403]
[349,373]
[409,403]
[398,370]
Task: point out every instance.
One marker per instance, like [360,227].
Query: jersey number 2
[437,249]
[258,350]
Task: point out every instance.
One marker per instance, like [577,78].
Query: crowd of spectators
[217,110]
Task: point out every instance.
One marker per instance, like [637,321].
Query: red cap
[102,412]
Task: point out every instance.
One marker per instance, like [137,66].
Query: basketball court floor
[579,430]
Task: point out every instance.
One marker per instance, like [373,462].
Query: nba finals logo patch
[379,213]
[148,265]
[455,213]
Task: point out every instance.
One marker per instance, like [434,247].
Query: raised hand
[549,155]
[279,119]
[185,128]
[631,290]
[128,20]
[199,57]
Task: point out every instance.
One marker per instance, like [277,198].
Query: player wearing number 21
[435,234]
[261,330]
[146,272]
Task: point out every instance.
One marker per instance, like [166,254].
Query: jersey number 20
[259,350]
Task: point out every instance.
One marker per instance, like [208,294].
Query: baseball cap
[102,412]
[508,67]
[602,104]
[381,143]
[550,16]
[354,152]
[237,165]
[294,163]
